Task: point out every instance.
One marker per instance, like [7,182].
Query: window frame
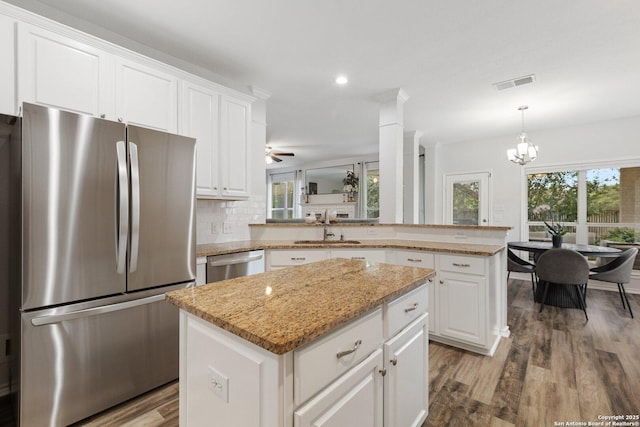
[581,225]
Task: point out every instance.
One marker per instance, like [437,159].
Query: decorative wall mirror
[326,180]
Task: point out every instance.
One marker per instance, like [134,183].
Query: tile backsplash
[221,221]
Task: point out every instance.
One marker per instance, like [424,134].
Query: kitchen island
[336,340]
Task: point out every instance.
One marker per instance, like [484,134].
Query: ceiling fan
[271,156]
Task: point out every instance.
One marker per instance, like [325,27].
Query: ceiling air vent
[519,81]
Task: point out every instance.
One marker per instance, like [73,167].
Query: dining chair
[518,265]
[563,267]
[617,271]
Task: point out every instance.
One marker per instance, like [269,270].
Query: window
[596,205]
[372,194]
[282,195]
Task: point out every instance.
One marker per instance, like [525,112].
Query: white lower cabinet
[369,255]
[370,372]
[406,383]
[355,399]
[283,258]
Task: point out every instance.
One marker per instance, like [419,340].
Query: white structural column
[432,186]
[391,155]
[411,174]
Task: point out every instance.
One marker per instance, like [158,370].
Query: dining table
[563,296]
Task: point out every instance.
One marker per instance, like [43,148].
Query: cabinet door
[424,260]
[7,66]
[235,119]
[406,384]
[146,96]
[60,72]
[463,308]
[200,120]
[354,399]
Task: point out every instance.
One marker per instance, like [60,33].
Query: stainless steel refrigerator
[102,224]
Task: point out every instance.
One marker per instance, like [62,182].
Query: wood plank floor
[555,367]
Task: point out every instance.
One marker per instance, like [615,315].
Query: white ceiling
[445,55]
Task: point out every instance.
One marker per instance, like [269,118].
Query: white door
[354,399]
[63,73]
[235,117]
[406,384]
[146,96]
[462,299]
[201,121]
[467,199]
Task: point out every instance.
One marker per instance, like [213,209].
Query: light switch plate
[218,384]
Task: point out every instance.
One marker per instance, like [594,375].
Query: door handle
[135,206]
[57,318]
[122,211]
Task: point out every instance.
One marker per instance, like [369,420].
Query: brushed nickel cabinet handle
[455,264]
[346,352]
[414,260]
[298,258]
[358,257]
[383,372]
[415,305]
[442,282]
[394,361]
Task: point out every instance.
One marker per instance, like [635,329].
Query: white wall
[610,141]
[592,143]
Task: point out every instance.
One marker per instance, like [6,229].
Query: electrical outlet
[226,228]
[218,384]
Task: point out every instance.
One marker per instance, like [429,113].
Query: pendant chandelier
[525,151]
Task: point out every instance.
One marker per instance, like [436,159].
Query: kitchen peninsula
[468,302]
[338,339]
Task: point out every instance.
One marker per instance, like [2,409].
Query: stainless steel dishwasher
[228,266]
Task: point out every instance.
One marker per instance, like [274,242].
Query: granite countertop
[444,247]
[284,309]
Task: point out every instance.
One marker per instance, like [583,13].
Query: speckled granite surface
[283,309]
[445,247]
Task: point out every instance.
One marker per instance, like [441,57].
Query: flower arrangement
[553,227]
[350,182]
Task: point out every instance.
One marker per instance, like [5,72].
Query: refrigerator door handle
[135,206]
[57,318]
[122,210]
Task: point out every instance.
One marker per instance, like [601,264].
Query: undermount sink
[322,242]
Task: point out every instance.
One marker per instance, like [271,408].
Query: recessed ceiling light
[342,80]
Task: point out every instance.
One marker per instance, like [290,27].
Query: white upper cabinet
[60,72]
[146,96]
[7,66]
[200,113]
[220,125]
[235,122]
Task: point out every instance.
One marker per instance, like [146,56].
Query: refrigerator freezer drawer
[82,362]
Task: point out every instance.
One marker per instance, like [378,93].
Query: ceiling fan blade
[275,159]
[283,154]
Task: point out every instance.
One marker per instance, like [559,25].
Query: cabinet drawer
[371,255]
[462,264]
[414,259]
[296,257]
[317,364]
[404,310]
